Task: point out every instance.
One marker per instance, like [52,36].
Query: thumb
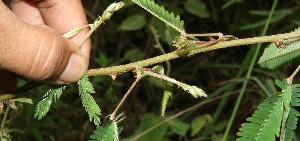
[37,52]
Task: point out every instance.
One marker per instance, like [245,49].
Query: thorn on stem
[279,43]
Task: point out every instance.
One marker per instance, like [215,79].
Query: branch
[4,120]
[189,52]
[290,79]
[138,78]
[173,55]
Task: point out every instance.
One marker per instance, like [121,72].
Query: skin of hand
[32,45]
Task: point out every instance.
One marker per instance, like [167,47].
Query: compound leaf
[167,94]
[43,106]
[162,14]
[292,119]
[107,132]
[88,102]
[265,122]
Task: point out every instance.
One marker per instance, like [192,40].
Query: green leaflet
[274,56]
[88,102]
[274,117]
[195,91]
[265,122]
[74,32]
[291,124]
[162,14]
[167,94]
[107,132]
[85,88]
[43,106]
[287,95]
[292,119]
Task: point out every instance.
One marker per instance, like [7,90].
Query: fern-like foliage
[88,102]
[107,132]
[43,106]
[274,117]
[291,124]
[286,97]
[292,119]
[167,94]
[265,122]
[160,12]
[274,56]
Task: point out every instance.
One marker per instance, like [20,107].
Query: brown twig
[190,52]
[138,78]
[290,79]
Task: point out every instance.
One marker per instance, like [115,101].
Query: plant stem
[248,75]
[161,49]
[190,52]
[290,79]
[4,120]
[138,78]
[176,54]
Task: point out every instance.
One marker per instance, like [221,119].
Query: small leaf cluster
[107,132]
[88,102]
[43,106]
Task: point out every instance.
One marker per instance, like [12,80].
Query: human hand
[32,45]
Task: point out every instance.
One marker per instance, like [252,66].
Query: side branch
[138,78]
[290,79]
[190,52]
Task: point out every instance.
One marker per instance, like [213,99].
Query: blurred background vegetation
[129,36]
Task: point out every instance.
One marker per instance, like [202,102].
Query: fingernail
[74,70]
